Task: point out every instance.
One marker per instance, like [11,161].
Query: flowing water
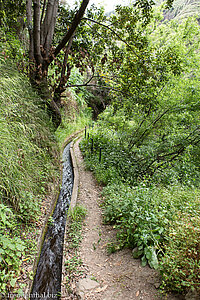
[47,281]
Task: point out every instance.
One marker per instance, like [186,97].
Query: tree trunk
[36,32]
[48,102]
[49,26]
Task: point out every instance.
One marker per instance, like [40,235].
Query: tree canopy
[45,20]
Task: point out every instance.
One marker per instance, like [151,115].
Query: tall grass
[27,164]
[26,141]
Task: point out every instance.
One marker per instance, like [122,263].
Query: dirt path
[107,277]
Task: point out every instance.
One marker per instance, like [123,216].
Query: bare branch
[47,20]
[43,9]
[151,126]
[36,31]
[169,157]
[96,86]
[64,78]
[42,24]
[48,26]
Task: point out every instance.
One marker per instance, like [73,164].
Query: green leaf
[20,292]
[13,281]
[3,217]
[20,247]
[19,254]
[5,242]
[2,251]
[153,261]
[144,261]
[148,253]
[137,253]
[9,262]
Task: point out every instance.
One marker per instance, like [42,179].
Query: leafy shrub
[115,162]
[143,216]
[11,47]
[149,139]
[113,135]
[11,249]
[180,266]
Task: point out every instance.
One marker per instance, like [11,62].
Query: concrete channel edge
[72,138]
[73,202]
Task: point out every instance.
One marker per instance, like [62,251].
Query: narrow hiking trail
[107,277]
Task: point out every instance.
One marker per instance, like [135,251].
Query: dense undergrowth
[158,217]
[151,177]
[28,156]
[27,164]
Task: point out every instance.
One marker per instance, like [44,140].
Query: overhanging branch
[72,29]
[97,86]
[114,32]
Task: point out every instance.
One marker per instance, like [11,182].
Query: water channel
[47,281]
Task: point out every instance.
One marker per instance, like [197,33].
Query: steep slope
[184,8]
[27,167]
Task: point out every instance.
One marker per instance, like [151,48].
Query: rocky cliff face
[184,8]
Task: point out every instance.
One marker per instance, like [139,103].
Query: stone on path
[86,284]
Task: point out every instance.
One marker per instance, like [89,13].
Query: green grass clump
[76,216]
[70,126]
[27,164]
[74,236]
